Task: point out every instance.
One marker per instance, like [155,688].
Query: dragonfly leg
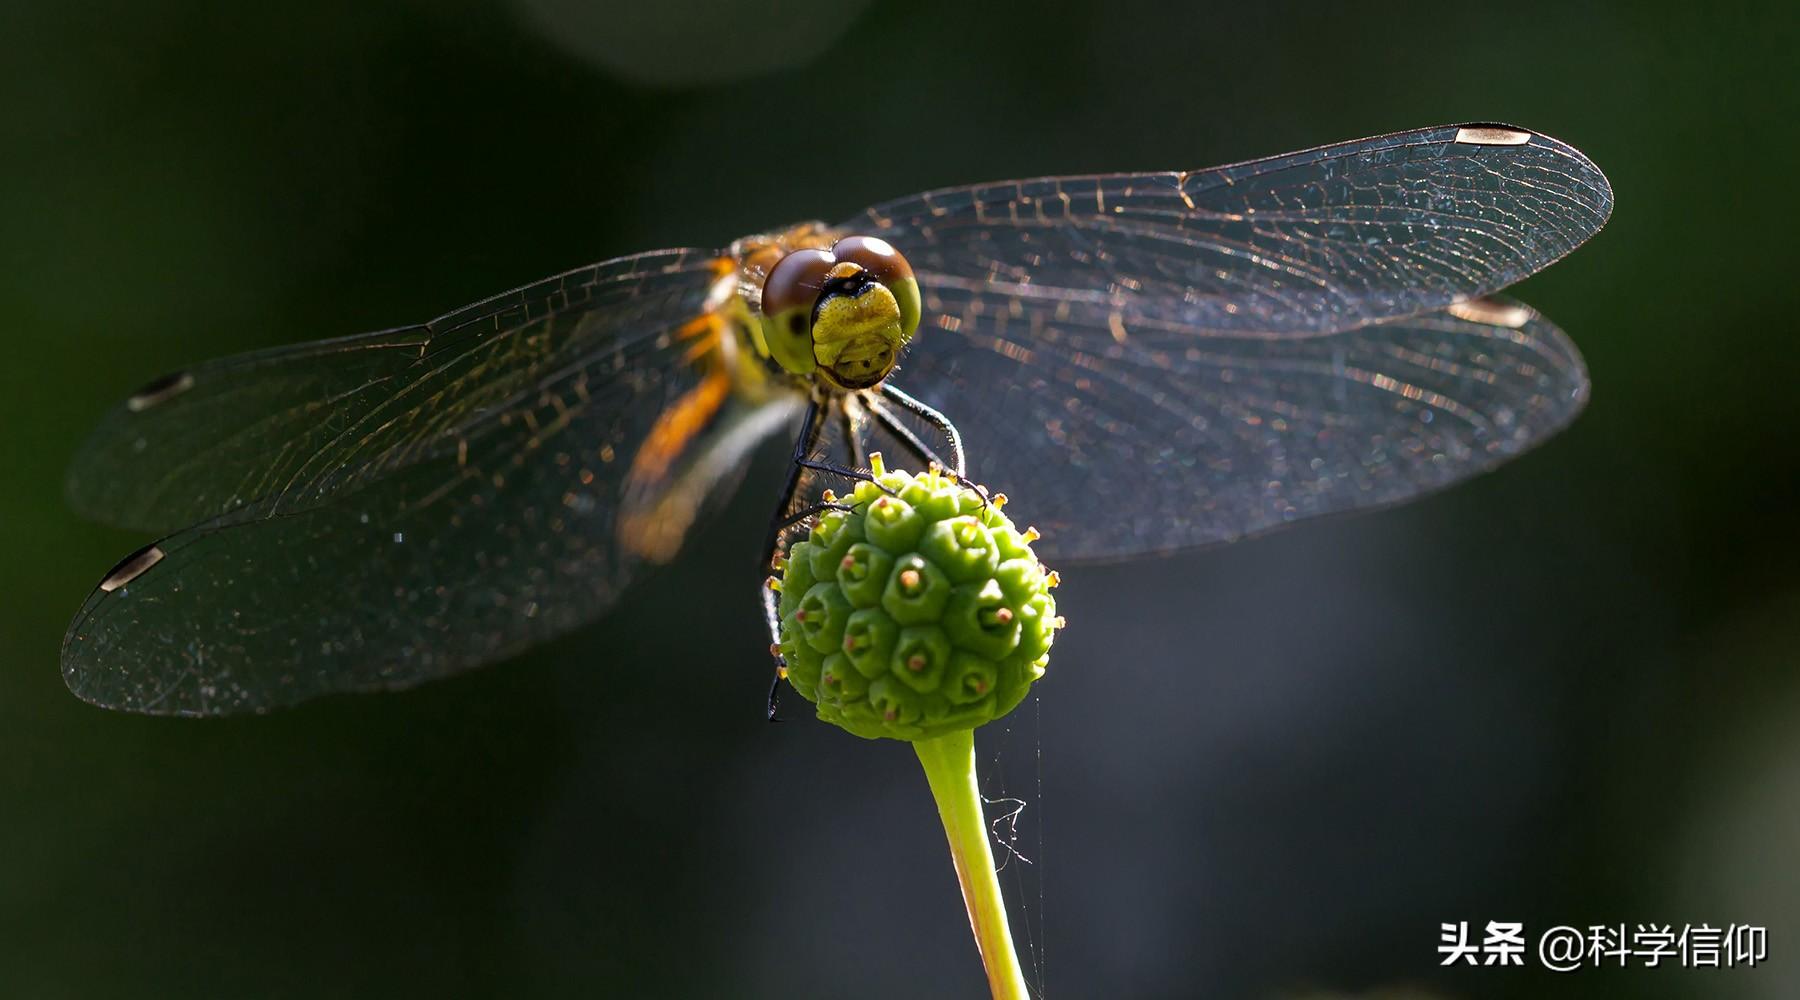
[952,437]
[819,508]
[923,451]
[811,429]
[772,614]
[846,472]
[853,435]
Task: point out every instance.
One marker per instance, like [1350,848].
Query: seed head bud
[919,611]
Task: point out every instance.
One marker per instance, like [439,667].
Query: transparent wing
[1298,245]
[1170,441]
[285,429]
[529,522]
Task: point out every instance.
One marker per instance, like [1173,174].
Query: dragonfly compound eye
[885,264]
[843,314]
[789,295]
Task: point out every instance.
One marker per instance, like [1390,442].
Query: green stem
[950,769]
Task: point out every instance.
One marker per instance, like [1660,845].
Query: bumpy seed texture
[919,612]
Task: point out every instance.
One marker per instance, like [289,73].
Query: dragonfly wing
[1161,443]
[530,522]
[282,430]
[1297,245]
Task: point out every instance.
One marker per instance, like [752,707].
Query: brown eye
[795,282]
[874,255]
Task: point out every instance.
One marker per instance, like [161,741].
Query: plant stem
[950,770]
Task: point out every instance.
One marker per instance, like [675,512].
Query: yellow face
[843,314]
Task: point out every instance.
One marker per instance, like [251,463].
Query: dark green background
[1561,694]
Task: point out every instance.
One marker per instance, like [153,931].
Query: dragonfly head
[843,313]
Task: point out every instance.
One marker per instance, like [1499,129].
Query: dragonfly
[1151,362]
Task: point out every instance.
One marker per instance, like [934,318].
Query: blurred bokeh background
[1561,694]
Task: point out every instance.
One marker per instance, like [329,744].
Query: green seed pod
[1014,546]
[916,590]
[1037,627]
[863,573]
[821,616]
[919,612]
[942,501]
[803,661]
[831,538]
[920,657]
[796,576]
[893,524]
[963,547]
[869,638]
[1019,579]
[894,703]
[970,678]
[915,491]
[839,680]
[1017,674]
[977,618]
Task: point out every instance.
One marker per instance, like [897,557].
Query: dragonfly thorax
[843,314]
